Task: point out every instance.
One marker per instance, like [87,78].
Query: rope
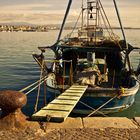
[57,60]
[22,90]
[45,89]
[71,74]
[41,65]
[123,33]
[75,24]
[106,16]
[35,87]
[64,73]
[102,105]
[113,80]
[106,26]
[38,93]
[93,108]
[39,81]
[112,35]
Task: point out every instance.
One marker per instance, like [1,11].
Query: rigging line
[35,87]
[39,81]
[109,24]
[42,66]
[71,74]
[38,93]
[93,108]
[98,14]
[116,40]
[111,37]
[32,84]
[75,24]
[102,105]
[64,20]
[45,87]
[123,33]
[105,16]
[82,13]
[57,60]
[119,18]
[105,24]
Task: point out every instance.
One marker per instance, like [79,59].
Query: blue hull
[116,105]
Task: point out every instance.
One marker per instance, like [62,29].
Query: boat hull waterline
[95,98]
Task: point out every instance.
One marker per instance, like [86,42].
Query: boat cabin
[93,67]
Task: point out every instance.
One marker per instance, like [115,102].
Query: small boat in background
[94,56]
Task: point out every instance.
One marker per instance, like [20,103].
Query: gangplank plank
[60,108]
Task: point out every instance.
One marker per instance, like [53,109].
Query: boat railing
[58,67]
[63,74]
[72,35]
[77,37]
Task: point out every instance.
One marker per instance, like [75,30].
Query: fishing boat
[91,55]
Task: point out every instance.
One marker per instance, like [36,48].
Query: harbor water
[18,68]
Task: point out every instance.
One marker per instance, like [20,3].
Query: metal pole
[120,22]
[119,18]
[82,15]
[64,20]
[45,86]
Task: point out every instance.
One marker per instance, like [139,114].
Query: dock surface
[60,108]
[89,128]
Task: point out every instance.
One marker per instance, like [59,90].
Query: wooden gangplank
[60,108]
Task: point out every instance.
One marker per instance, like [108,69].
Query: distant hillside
[70,24]
[18,24]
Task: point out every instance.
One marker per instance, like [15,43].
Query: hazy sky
[52,11]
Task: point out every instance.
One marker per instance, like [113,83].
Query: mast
[123,33]
[120,22]
[64,20]
[55,47]
[82,15]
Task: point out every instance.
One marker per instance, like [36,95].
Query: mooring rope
[93,108]
[31,85]
[102,105]
[35,87]
[40,81]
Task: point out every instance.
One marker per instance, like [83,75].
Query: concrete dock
[92,128]
[95,122]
